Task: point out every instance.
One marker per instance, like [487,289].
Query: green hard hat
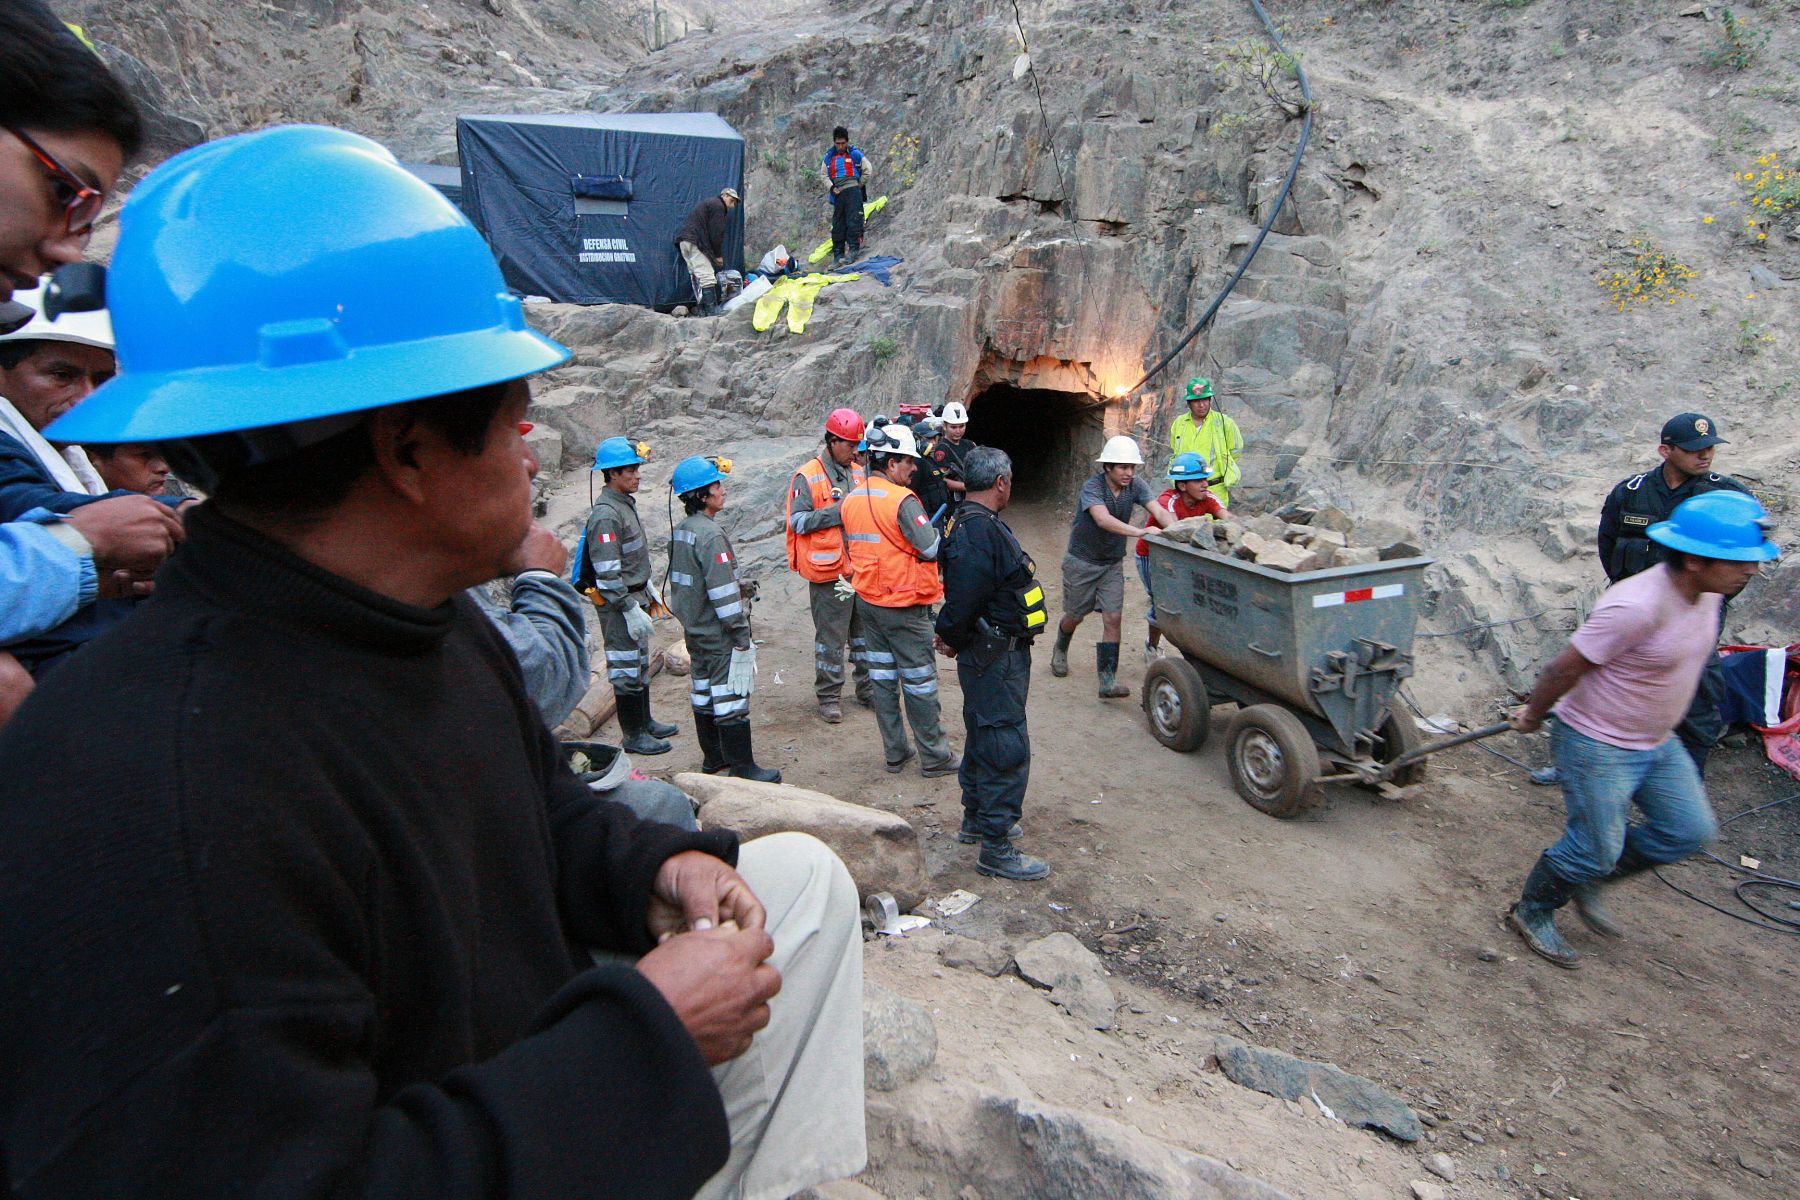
[1200,388]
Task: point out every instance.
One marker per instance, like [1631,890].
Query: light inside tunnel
[1051,436]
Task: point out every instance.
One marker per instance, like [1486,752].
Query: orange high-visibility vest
[819,556]
[889,572]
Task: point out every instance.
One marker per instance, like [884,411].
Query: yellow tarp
[870,209]
[797,293]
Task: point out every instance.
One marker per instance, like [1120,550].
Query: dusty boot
[968,835]
[1059,657]
[1588,905]
[949,766]
[634,719]
[1008,862]
[735,737]
[831,712]
[1533,916]
[706,731]
[1106,660]
[709,301]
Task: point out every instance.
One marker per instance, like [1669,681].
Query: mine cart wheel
[1177,705]
[1274,764]
[1400,735]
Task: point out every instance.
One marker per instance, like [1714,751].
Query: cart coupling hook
[1412,756]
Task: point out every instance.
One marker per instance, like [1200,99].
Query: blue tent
[584,207]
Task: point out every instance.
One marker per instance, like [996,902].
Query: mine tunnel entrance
[1052,437]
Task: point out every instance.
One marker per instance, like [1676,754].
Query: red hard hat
[844,423]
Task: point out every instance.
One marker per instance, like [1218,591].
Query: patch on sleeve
[920,520]
[607,537]
[724,557]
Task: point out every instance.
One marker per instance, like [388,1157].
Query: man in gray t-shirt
[1093,574]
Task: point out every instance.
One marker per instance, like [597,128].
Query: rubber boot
[654,727]
[706,731]
[1007,861]
[709,301]
[1059,657]
[1533,915]
[735,737]
[634,719]
[1106,660]
[1588,905]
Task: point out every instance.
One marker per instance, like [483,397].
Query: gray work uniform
[618,559]
[902,659]
[705,597]
[834,621]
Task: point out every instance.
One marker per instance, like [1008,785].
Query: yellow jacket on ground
[1218,441]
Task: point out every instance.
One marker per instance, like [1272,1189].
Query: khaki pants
[699,264]
[902,664]
[795,1098]
[834,623]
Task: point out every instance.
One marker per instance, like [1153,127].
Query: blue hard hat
[290,274]
[1188,465]
[616,452]
[1722,524]
[692,474]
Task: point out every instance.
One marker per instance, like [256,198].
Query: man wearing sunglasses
[67,125]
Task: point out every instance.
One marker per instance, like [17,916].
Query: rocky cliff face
[1420,339]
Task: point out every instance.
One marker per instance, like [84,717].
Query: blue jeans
[1600,783]
[1143,566]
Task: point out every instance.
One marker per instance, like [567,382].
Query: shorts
[1092,587]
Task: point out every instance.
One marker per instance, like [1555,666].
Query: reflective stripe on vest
[889,572]
[818,556]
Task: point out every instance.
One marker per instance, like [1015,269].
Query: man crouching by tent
[338,941]
[702,245]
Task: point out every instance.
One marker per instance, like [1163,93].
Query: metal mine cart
[1314,659]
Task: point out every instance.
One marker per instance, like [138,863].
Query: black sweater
[706,226]
[291,881]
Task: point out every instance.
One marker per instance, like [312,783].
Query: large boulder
[881,850]
[1073,973]
[1355,1100]
[899,1039]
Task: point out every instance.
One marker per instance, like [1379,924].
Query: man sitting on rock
[335,940]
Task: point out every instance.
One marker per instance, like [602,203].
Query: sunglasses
[80,202]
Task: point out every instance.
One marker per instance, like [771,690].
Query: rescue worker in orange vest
[815,546]
[893,550]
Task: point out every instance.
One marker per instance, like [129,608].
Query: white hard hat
[899,441]
[82,328]
[955,413]
[1120,449]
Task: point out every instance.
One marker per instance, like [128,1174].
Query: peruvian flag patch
[605,537]
[724,557]
[920,520]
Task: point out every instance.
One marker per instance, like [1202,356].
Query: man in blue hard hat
[1618,690]
[613,568]
[337,940]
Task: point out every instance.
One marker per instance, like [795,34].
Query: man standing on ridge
[1687,450]
[815,546]
[993,607]
[613,568]
[893,552]
[1206,431]
[702,245]
[1092,570]
[847,176]
[1618,689]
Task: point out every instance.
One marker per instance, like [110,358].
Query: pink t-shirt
[1649,646]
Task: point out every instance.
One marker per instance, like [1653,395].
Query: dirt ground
[1364,933]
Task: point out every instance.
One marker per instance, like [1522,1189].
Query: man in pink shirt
[1619,688]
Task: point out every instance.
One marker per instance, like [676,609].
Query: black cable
[1044,115]
[1482,745]
[1757,879]
[1287,185]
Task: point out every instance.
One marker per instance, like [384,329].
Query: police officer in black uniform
[993,607]
[1637,503]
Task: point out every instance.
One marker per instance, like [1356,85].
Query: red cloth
[1173,501]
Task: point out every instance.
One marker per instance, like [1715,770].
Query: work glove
[843,589]
[638,624]
[741,678]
